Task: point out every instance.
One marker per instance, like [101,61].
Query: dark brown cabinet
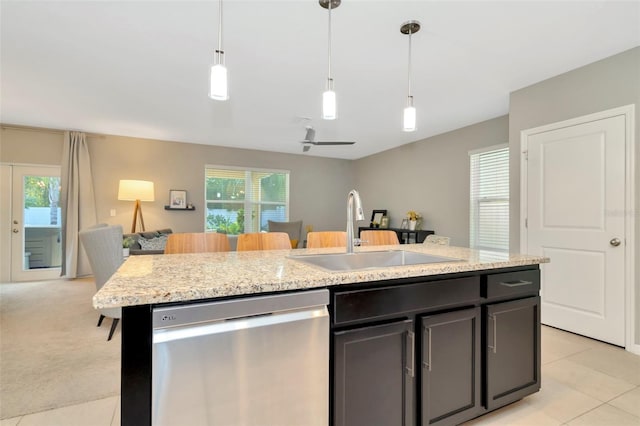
[513,351]
[374,375]
[451,367]
[476,348]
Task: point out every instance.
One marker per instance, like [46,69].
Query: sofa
[148,242]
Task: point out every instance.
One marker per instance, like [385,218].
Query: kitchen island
[432,343]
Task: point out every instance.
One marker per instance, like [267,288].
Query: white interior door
[35,223]
[575,196]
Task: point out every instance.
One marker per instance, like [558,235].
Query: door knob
[15,231]
[615,242]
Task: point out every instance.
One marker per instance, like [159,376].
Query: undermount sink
[340,262]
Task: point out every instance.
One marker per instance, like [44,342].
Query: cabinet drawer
[512,284]
[384,302]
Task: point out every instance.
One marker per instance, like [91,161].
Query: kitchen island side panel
[135,387]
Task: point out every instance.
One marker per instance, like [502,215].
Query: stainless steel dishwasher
[252,361]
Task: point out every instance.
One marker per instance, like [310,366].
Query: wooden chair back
[264,241]
[294,229]
[198,242]
[326,239]
[378,238]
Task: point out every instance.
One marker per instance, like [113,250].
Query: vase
[125,252]
[412,225]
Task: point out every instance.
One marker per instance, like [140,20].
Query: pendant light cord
[220,28]
[329,65]
[409,68]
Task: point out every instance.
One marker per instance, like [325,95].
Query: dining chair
[378,238]
[326,239]
[436,239]
[103,245]
[196,242]
[263,241]
[293,229]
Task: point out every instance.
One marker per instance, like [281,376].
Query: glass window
[243,200]
[489,201]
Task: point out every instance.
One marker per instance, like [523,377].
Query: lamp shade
[131,190]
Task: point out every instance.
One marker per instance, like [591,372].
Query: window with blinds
[243,200]
[489,203]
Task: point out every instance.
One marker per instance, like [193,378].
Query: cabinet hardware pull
[410,366]
[427,363]
[516,283]
[494,318]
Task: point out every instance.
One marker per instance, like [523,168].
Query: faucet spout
[353,200]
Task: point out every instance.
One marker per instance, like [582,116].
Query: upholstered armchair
[103,245]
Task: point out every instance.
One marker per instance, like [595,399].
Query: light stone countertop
[155,279]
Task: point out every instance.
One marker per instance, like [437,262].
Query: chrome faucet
[353,197]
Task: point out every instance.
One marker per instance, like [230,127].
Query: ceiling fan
[310,137]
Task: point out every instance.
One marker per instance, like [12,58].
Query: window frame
[247,203]
[476,203]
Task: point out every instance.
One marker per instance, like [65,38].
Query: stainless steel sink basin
[340,262]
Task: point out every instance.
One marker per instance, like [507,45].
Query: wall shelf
[180,209]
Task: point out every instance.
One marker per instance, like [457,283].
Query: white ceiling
[140,68]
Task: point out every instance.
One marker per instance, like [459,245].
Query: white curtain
[77,201]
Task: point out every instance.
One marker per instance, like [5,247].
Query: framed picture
[177,199]
[405,224]
[376,218]
[385,222]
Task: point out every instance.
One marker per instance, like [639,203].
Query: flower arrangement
[413,215]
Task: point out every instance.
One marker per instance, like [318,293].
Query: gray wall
[602,85]
[318,186]
[430,176]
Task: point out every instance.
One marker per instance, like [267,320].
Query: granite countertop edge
[156,279]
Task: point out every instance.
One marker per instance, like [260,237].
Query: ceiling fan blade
[334,143]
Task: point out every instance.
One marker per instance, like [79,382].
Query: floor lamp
[136,190]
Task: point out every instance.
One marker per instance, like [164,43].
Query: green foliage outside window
[229,192]
[43,191]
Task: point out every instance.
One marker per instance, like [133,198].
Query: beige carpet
[51,352]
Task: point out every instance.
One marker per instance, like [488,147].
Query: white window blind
[243,200]
[489,203]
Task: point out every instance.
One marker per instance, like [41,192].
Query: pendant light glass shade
[329,105]
[409,116]
[329,102]
[409,119]
[218,88]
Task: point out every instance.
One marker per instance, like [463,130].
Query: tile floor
[584,382]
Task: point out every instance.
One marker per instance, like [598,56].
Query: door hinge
[526,222]
[526,154]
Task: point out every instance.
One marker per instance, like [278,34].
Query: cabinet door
[374,380]
[451,371]
[513,350]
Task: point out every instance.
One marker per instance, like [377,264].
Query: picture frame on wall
[177,199]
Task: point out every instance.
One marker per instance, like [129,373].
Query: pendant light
[218,79]
[409,120]
[329,96]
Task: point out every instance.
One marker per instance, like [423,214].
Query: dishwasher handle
[235,325]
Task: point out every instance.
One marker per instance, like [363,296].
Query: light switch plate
[112,212]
